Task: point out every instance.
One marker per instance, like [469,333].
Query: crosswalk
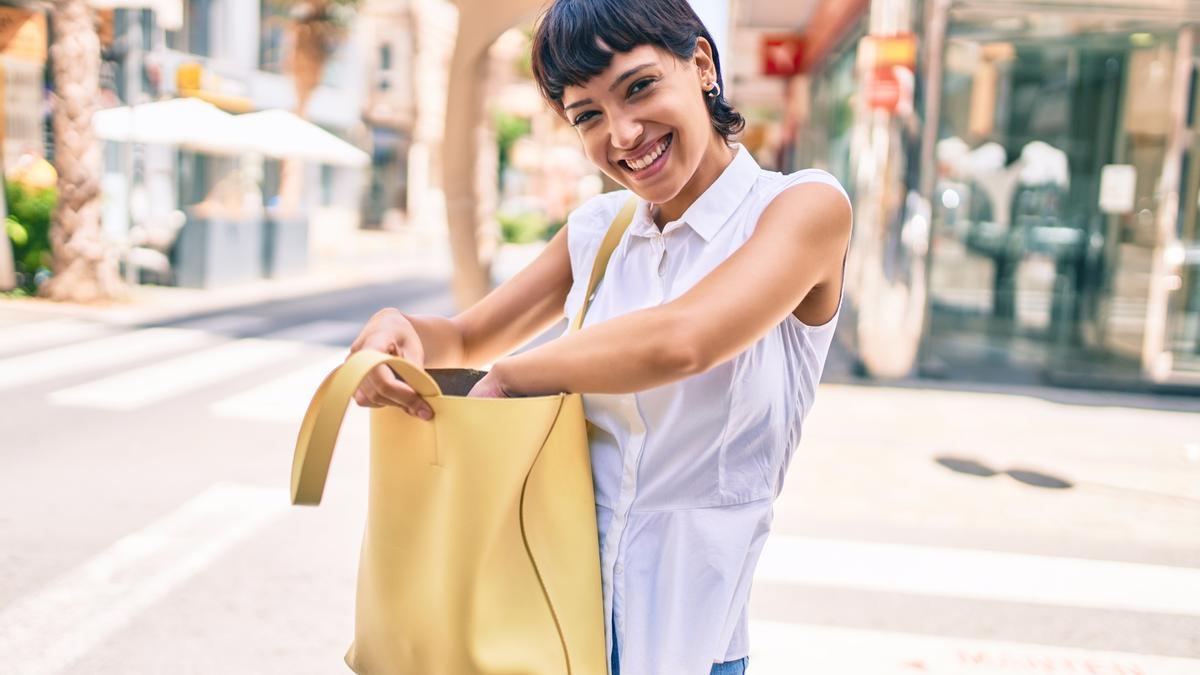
[48,630]
[134,370]
[782,648]
[269,377]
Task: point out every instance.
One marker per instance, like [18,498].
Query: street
[145,525]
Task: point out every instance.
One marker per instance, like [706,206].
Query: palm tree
[315,28]
[84,265]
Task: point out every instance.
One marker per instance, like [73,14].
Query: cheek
[594,150]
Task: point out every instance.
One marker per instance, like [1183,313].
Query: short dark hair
[565,52]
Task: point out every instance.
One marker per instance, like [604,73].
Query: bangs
[576,39]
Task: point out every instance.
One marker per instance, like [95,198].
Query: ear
[706,68]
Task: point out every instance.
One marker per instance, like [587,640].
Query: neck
[716,157]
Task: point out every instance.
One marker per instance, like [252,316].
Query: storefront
[1034,217]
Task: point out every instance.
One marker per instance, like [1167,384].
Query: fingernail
[425,413]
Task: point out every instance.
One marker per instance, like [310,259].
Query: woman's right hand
[390,332]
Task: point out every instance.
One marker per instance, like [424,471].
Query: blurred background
[205,201]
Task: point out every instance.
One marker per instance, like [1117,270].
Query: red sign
[782,55]
[890,89]
[883,90]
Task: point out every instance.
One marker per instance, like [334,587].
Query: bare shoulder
[810,221]
[814,205]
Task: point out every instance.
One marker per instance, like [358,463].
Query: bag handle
[323,419]
[615,231]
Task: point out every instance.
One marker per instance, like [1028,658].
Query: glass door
[1053,142]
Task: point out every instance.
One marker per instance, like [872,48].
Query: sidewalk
[363,257]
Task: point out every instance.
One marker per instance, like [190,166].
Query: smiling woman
[699,352]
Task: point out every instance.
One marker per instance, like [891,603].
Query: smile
[651,162]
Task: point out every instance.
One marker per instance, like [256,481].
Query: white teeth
[646,160]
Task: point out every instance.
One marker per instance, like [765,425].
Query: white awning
[279,133]
[187,122]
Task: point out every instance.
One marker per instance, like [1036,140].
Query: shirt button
[618,568]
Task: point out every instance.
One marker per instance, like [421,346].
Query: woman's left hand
[491,386]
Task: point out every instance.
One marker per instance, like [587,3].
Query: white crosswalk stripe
[116,350]
[145,385]
[326,332]
[31,335]
[283,399]
[982,575]
[780,648]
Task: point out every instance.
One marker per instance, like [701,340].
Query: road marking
[30,335]
[140,387]
[780,648]
[283,399]
[45,632]
[105,352]
[333,333]
[983,575]
[226,324]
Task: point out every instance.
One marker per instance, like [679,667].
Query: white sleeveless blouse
[685,474]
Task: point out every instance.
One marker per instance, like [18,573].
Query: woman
[701,352]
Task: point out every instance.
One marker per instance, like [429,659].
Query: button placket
[660,250]
[658,243]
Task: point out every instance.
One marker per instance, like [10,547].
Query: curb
[156,304]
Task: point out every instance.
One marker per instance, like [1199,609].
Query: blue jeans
[737,667]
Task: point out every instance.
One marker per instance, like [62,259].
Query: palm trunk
[310,44]
[84,264]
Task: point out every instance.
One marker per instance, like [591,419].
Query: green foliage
[508,128]
[523,227]
[28,230]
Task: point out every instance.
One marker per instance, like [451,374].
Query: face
[643,121]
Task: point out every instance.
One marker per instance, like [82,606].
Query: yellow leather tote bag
[480,553]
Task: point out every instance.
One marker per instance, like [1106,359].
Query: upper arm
[519,309]
[798,243]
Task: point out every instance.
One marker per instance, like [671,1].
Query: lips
[645,152]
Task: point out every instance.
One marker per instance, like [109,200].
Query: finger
[392,388]
[377,398]
[385,394]
[362,398]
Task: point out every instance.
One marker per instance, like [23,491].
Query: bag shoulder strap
[615,231]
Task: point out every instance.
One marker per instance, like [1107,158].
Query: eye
[637,86]
[583,117]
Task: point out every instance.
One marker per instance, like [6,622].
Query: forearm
[635,351]
[441,339]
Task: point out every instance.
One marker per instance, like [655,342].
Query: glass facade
[1061,189]
[825,141]
[1056,167]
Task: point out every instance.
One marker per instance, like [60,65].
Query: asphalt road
[145,525]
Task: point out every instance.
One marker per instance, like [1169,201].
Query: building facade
[1026,185]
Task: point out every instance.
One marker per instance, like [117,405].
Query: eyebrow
[614,85]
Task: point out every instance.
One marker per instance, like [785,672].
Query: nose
[625,131]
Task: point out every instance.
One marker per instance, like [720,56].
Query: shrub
[521,227]
[28,230]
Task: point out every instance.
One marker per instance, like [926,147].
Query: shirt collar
[713,208]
